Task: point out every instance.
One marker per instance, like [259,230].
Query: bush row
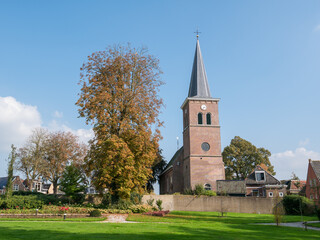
[199,190]
[18,202]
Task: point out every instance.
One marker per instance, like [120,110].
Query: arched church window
[208,119]
[199,118]
[207,186]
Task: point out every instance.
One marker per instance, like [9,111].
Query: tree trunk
[55,187]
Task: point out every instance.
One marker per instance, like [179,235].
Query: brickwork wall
[204,166]
[312,185]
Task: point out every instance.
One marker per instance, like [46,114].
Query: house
[313,181]
[17,184]
[199,161]
[261,183]
[39,186]
[47,188]
[296,187]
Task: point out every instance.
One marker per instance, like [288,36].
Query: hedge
[26,202]
[292,204]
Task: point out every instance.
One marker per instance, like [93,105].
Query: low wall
[213,204]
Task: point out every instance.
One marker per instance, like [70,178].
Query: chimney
[310,160]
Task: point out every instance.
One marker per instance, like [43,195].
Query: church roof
[199,87]
[170,163]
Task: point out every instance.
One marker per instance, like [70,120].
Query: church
[199,161]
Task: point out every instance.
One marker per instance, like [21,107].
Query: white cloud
[293,161]
[317,28]
[58,114]
[16,122]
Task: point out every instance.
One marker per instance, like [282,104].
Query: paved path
[294,224]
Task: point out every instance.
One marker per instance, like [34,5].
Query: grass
[176,225]
[314,224]
[233,218]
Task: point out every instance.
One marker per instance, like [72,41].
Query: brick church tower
[199,161]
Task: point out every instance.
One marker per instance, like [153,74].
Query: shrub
[122,204]
[78,198]
[46,198]
[159,204]
[199,190]
[292,205]
[188,192]
[20,202]
[140,208]
[318,213]
[106,200]
[150,202]
[210,193]
[136,198]
[95,213]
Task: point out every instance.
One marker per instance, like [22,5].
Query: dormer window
[260,176]
[200,118]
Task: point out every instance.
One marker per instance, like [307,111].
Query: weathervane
[197,32]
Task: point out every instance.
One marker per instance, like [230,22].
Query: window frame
[207,187]
[259,172]
[270,194]
[200,118]
[280,194]
[15,187]
[255,191]
[208,117]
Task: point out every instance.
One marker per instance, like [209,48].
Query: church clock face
[203,107]
[205,146]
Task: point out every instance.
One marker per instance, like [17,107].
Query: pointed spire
[199,86]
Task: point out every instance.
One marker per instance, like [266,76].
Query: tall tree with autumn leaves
[119,97]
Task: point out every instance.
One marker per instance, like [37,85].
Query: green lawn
[314,225]
[176,225]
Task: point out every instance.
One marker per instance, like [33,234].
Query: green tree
[241,157]
[157,168]
[119,97]
[12,159]
[73,181]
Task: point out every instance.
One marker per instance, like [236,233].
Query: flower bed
[157,213]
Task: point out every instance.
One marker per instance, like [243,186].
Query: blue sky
[262,59]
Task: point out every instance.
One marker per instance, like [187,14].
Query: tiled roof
[251,179]
[231,186]
[175,156]
[316,168]
[294,184]
[4,180]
